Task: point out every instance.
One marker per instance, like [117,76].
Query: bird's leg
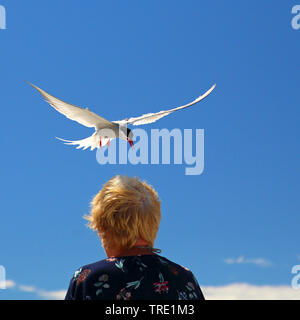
[108,143]
[100,142]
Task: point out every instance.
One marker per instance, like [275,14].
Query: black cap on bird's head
[129,137]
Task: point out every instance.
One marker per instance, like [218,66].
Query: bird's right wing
[81,115]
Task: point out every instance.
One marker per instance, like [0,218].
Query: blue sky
[126,58]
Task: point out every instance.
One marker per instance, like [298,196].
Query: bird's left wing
[152,117]
[81,115]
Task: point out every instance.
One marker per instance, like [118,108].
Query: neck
[133,251]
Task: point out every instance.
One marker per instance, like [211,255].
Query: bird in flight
[106,130]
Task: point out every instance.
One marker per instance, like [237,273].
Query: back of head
[123,211]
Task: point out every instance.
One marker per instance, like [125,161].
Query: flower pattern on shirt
[140,264]
[123,294]
[134,284]
[161,285]
[133,278]
[80,275]
[101,284]
[120,264]
[182,295]
[191,288]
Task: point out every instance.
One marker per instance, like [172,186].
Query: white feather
[81,115]
[152,117]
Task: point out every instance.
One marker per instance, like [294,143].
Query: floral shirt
[141,277]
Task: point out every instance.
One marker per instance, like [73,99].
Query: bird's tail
[89,142]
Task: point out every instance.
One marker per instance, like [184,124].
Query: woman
[126,214]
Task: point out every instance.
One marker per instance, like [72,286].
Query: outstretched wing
[152,117]
[89,142]
[81,115]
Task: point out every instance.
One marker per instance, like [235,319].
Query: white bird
[106,130]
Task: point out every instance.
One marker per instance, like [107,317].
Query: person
[126,215]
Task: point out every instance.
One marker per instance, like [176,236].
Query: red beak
[131,143]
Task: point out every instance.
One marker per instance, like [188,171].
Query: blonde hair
[123,211]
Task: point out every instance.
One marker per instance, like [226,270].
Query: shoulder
[173,265]
[191,288]
[89,275]
[90,269]
[179,269]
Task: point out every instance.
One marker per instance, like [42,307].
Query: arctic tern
[106,130]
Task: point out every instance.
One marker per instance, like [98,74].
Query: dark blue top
[141,277]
